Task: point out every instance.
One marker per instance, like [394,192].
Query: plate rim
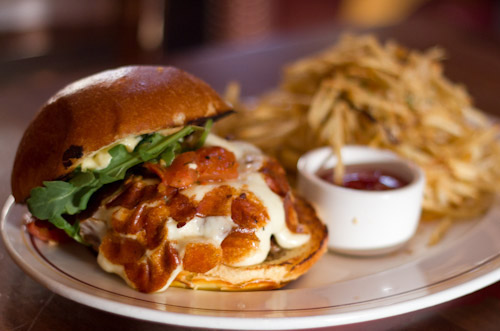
[324,319]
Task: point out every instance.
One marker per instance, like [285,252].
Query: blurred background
[144,30]
[61,35]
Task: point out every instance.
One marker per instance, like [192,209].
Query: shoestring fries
[361,91]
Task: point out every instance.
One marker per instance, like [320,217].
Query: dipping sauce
[367,177]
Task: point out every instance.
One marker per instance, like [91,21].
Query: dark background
[61,34]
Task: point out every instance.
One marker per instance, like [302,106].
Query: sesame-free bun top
[94,112]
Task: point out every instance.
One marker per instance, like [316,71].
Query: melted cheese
[239,148]
[172,277]
[250,158]
[211,230]
[101,158]
[118,269]
[276,226]
[214,229]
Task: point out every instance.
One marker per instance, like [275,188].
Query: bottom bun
[280,267]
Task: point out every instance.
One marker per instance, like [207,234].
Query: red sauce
[367,177]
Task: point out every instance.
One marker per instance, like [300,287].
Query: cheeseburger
[123,161]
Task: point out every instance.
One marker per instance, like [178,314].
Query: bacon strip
[275,177]
[207,164]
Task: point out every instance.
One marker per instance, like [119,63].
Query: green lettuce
[55,199]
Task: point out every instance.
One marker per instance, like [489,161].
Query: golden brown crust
[98,110]
[279,268]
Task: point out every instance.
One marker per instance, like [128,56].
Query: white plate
[338,290]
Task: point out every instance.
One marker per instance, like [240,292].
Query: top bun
[94,112]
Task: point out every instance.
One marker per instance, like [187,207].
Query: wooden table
[26,305]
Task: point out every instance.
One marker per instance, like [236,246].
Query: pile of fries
[382,95]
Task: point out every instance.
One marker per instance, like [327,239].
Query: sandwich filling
[222,203]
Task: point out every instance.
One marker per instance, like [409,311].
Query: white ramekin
[363,222]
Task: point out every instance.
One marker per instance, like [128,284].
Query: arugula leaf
[206,131]
[57,198]
[54,199]
[170,153]
[156,143]
[121,161]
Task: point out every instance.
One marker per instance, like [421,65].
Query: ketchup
[367,177]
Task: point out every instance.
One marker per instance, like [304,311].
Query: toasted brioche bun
[94,112]
[276,271]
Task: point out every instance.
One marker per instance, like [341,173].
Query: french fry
[361,91]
